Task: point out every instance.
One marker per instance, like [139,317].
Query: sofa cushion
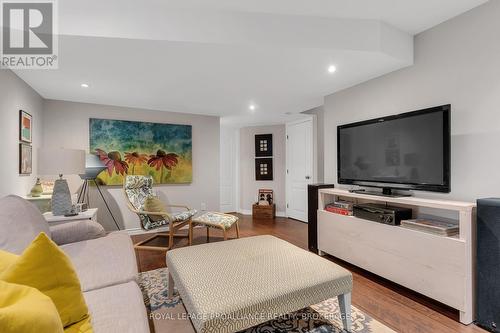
[118,308]
[76,231]
[104,261]
[20,223]
[83,326]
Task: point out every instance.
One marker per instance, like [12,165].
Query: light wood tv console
[441,268]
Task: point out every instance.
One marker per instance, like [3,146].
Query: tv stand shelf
[439,267]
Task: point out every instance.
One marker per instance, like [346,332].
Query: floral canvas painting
[163,151]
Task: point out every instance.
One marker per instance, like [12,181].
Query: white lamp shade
[61,161]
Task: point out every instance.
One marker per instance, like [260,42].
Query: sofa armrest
[76,231]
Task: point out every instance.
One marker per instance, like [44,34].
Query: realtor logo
[29,39]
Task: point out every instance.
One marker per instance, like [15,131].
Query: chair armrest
[76,231]
[145,212]
[179,206]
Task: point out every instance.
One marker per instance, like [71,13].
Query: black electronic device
[488,264]
[408,151]
[312,226]
[382,213]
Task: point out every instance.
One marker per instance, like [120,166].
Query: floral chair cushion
[138,189]
[216,220]
[182,216]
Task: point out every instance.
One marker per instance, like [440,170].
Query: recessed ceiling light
[252,107]
[84,85]
[332,69]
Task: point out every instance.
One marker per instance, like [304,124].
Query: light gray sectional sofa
[105,264]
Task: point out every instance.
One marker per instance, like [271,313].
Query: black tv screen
[405,151]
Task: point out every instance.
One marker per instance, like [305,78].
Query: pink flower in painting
[113,162]
[135,158]
[162,159]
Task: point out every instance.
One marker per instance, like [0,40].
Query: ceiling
[218,57]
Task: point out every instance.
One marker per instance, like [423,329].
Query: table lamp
[61,162]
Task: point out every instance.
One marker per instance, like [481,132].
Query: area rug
[169,315]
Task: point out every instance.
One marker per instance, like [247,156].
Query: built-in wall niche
[263,157]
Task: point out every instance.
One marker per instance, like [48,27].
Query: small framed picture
[25,159]
[25,126]
[263,169]
[266,197]
[263,145]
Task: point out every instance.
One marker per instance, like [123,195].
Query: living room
[146,145]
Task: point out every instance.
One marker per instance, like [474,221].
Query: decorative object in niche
[266,197]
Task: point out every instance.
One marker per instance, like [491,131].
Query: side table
[90,214]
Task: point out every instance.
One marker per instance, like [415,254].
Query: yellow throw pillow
[6,259]
[25,309]
[45,267]
[153,204]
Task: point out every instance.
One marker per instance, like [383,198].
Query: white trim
[237,166]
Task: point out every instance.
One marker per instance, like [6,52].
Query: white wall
[66,124]
[16,95]
[457,62]
[249,187]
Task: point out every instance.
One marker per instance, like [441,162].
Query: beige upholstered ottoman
[216,220]
[233,285]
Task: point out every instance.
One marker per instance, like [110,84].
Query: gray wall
[16,95]
[249,187]
[66,124]
[457,62]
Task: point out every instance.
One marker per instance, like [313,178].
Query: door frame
[314,155]
[234,134]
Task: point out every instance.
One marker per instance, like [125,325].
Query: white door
[299,156]
[228,169]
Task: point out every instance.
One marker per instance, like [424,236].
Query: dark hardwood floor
[395,306]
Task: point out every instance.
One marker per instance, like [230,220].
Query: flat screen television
[408,151]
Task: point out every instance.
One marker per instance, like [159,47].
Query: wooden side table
[264,212]
[90,214]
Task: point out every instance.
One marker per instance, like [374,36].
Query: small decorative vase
[37,189]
